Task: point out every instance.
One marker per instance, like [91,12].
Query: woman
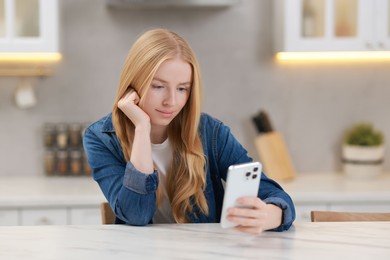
[158,159]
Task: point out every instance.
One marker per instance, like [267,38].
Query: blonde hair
[186,179]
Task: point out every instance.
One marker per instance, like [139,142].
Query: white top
[331,240]
[162,155]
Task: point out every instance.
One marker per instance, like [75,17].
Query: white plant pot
[361,161]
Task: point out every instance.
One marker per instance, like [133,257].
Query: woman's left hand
[256,217]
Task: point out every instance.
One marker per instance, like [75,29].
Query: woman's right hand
[129,105]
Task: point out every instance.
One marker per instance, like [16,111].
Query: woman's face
[168,93]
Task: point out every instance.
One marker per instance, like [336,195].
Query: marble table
[343,240]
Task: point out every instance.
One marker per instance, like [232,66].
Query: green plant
[363,134]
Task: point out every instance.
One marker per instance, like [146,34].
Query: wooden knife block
[274,156]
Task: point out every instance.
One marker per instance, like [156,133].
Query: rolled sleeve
[288,212]
[140,182]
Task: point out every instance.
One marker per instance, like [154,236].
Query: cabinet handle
[44,221]
[381,45]
[369,45]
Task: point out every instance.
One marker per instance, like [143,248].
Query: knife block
[274,156]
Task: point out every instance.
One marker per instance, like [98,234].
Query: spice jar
[75,134]
[49,134]
[62,162]
[75,162]
[62,136]
[49,162]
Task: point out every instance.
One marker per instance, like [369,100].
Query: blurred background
[310,104]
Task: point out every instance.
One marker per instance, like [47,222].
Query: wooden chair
[332,216]
[108,217]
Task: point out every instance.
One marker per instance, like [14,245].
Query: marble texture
[348,240]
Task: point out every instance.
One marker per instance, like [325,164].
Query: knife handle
[266,121]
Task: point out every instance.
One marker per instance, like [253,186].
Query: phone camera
[255,169]
[248,174]
[254,176]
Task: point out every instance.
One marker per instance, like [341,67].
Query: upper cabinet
[28,26]
[332,25]
[28,37]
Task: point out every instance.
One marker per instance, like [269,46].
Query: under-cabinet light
[30,57]
[334,56]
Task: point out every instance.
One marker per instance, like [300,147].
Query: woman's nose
[170,98]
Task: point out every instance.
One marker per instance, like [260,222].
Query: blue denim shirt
[132,194]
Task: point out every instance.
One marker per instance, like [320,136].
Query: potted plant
[363,151]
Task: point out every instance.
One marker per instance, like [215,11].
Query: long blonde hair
[186,179]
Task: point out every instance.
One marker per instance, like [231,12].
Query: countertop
[49,191]
[73,191]
[336,187]
[332,240]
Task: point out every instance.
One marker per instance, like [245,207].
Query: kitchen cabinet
[28,37]
[41,216]
[332,25]
[85,216]
[337,192]
[50,201]
[303,209]
[28,26]
[8,217]
[48,215]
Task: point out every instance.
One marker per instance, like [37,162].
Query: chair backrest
[332,216]
[108,217]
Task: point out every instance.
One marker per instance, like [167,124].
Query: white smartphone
[242,180]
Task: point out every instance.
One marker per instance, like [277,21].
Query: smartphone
[242,180]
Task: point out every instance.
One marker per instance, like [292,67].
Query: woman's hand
[129,105]
[256,217]
[141,152]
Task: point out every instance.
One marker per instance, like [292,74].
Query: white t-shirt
[162,155]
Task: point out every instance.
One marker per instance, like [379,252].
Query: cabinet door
[29,26]
[303,210]
[361,207]
[44,216]
[8,217]
[326,25]
[382,25]
[85,216]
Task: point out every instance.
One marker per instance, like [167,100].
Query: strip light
[41,57]
[360,56]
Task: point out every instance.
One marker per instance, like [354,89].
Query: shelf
[150,4]
[28,64]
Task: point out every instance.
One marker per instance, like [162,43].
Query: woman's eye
[157,86]
[183,89]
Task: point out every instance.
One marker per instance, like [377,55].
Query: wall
[311,105]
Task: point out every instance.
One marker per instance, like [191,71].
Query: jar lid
[62,154]
[62,127]
[49,127]
[75,153]
[75,126]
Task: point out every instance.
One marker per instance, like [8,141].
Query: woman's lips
[166,113]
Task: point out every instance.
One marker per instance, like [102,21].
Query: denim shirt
[132,194]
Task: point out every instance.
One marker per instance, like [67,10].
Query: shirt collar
[107,125]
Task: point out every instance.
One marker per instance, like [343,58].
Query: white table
[343,240]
